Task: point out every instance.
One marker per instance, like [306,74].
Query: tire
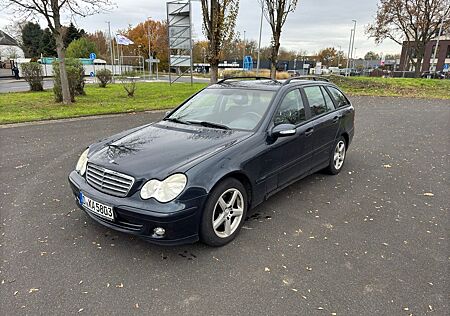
[340,150]
[223,217]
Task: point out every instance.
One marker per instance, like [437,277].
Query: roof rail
[250,77]
[308,77]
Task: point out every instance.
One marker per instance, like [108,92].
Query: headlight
[166,190]
[82,162]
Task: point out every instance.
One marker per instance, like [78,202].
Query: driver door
[290,157]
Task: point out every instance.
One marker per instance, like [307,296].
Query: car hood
[160,149]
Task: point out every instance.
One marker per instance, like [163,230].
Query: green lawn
[394,87]
[32,106]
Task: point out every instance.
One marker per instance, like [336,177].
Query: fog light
[159,231]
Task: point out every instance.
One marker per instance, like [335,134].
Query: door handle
[336,119]
[309,132]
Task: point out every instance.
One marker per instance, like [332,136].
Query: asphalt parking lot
[370,241]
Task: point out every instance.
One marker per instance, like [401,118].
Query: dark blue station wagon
[196,173]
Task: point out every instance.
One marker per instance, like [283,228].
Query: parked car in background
[293,73]
[433,75]
[196,173]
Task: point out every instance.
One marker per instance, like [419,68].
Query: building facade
[442,55]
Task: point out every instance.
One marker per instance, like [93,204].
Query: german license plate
[97,208]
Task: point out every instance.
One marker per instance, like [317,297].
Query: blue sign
[446,66]
[92,74]
[92,56]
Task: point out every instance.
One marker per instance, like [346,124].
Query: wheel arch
[241,177]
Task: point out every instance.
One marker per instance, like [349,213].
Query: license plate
[97,208]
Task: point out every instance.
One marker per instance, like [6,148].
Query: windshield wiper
[209,124]
[176,120]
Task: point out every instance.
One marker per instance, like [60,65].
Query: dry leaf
[80,310]
[295,290]
[15,293]
[33,290]
[120,285]
[266,269]
[428,194]
[320,308]
[136,305]
[387,166]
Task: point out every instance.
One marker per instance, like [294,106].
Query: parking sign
[92,56]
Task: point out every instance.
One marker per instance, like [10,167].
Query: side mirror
[283,130]
[167,113]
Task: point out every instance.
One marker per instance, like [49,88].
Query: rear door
[326,123]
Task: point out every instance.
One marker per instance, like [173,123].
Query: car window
[328,101]
[339,97]
[291,110]
[234,108]
[316,101]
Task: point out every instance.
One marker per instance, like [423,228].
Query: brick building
[442,56]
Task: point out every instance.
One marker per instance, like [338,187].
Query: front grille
[108,181]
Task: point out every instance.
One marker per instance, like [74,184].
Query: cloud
[315,24]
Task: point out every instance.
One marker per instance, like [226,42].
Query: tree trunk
[214,71]
[274,58]
[418,66]
[61,52]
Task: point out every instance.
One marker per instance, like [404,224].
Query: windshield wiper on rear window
[209,124]
[176,120]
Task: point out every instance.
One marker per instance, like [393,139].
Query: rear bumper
[180,220]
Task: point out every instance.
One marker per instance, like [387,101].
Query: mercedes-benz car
[195,174]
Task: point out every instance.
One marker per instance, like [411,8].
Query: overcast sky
[314,25]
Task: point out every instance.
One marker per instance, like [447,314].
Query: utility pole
[348,55]
[243,54]
[111,48]
[433,68]
[149,48]
[339,55]
[353,40]
[259,43]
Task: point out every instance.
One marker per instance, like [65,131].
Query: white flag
[123,40]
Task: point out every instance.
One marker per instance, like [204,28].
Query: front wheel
[337,156]
[224,213]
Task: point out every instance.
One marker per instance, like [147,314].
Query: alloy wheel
[339,155]
[228,212]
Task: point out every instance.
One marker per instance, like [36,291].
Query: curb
[80,118]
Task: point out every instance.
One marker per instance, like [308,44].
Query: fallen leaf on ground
[33,290]
[266,269]
[428,194]
[120,285]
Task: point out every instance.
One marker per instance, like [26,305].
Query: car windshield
[241,109]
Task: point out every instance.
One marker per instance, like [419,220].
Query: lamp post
[432,67]
[111,48]
[243,54]
[260,34]
[350,47]
[149,47]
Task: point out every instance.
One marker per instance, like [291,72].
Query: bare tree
[409,22]
[276,12]
[51,11]
[219,20]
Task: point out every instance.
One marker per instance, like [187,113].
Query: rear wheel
[337,156]
[224,213]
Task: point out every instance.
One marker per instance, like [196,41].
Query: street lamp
[243,54]
[149,47]
[433,68]
[260,34]
[350,46]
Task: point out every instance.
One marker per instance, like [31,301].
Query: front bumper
[180,220]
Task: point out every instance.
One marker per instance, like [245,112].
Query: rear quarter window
[339,97]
